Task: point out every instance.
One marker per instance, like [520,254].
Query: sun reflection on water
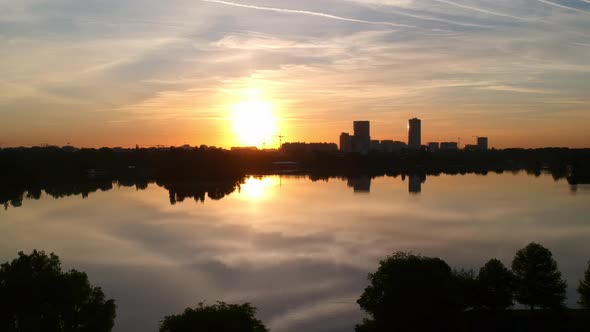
[257,188]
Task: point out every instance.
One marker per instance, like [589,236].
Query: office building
[482,143]
[449,146]
[362,128]
[345,142]
[361,141]
[414,133]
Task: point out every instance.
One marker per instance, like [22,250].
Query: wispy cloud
[510,88]
[310,13]
[64,63]
[484,11]
[563,6]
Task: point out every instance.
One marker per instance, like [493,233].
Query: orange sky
[151,73]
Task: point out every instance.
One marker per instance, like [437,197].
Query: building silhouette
[391,146]
[449,146]
[345,142]
[414,133]
[360,142]
[482,143]
[433,146]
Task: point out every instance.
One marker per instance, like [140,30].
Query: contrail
[436,19]
[564,7]
[306,12]
[482,10]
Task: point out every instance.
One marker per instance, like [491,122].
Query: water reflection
[415,183]
[12,194]
[360,184]
[302,252]
[256,188]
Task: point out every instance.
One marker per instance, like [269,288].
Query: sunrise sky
[119,73]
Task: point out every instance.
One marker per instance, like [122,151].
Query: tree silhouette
[584,289]
[35,295]
[539,282]
[213,318]
[496,285]
[468,288]
[411,293]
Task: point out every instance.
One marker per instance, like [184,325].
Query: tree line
[407,293]
[41,163]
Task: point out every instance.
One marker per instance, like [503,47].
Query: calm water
[298,250]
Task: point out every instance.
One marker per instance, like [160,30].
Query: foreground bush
[35,295]
[220,317]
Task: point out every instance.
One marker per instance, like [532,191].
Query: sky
[119,73]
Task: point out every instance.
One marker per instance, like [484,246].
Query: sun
[254,122]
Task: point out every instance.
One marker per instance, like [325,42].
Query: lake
[297,249]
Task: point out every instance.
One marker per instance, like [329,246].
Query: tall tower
[362,128]
[414,133]
[362,136]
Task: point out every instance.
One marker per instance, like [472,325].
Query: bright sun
[254,123]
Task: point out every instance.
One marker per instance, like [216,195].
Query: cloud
[563,6]
[183,63]
[306,12]
[517,89]
[480,10]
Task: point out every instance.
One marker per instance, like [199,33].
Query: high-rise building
[414,133]
[361,141]
[482,143]
[362,128]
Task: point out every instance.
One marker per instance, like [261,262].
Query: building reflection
[415,183]
[360,184]
[254,188]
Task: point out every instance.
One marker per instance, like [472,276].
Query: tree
[35,295]
[538,280]
[468,288]
[584,289]
[496,285]
[411,293]
[213,318]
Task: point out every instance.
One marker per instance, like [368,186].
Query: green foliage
[538,280]
[213,318]
[410,293]
[496,285]
[584,289]
[35,295]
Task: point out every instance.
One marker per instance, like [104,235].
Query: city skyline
[235,73]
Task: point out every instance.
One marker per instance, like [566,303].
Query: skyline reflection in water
[298,250]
